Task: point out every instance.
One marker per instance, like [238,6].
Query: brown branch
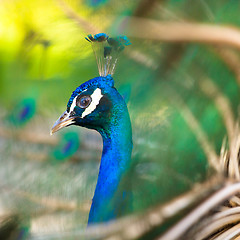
[201,136]
[222,103]
[182,32]
[229,157]
[166,31]
[234,232]
[224,107]
[183,225]
[231,59]
[145,7]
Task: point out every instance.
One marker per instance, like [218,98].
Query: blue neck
[111,196]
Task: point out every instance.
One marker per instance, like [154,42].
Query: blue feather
[96,104]
[67,147]
[98,81]
[22,112]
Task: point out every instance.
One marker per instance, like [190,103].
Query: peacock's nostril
[72,114]
[63,121]
[63,116]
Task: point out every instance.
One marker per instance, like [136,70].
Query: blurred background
[180,80]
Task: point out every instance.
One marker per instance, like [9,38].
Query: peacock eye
[84,101]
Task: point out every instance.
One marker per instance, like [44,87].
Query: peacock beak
[63,121]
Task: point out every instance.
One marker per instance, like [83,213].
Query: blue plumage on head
[97,81]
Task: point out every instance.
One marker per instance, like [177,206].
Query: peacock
[176,181]
[96,104]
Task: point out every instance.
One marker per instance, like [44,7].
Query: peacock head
[96,104]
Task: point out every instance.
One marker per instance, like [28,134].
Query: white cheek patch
[96,97]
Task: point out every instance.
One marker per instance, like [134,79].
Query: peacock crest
[106,50]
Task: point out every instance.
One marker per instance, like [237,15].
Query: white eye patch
[96,97]
[73,104]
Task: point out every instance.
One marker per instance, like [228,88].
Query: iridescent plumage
[96,104]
